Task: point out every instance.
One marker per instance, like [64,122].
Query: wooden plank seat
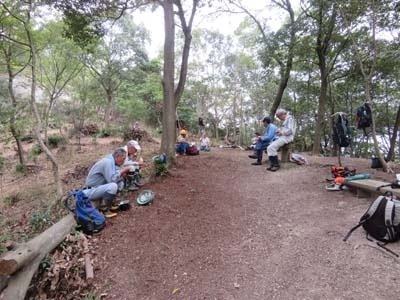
[367,187]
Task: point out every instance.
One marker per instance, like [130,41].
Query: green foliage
[160,166]
[55,140]
[90,296]
[36,150]
[40,220]
[4,237]
[20,169]
[2,161]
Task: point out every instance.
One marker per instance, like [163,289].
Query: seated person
[105,179]
[182,142]
[254,141]
[205,142]
[132,180]
[285,136]
[263,141]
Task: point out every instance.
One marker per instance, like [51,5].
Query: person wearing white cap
[285,135]
[132,180]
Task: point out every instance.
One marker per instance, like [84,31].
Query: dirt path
[222,229]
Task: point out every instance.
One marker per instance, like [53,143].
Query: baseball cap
[135,144]
[267,119]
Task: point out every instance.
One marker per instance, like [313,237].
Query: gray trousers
[97,193]
[273,148]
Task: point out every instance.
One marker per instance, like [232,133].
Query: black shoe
[274,168]
[257,163]
[253,156]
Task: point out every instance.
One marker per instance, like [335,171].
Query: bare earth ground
[222,229]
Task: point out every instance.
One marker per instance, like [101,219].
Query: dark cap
[267,119]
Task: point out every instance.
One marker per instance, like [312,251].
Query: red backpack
[192,150]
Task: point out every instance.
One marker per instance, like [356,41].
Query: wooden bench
[285,152]
[367,187]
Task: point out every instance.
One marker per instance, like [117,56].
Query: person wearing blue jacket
[263,141]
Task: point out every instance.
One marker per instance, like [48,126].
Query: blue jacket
[269,134]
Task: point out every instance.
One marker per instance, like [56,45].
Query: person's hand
[278,132]
[125,171]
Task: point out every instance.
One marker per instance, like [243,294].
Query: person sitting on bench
[263,141]
[285,136]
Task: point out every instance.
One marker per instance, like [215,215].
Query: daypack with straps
[341,131]
[364,116]
[88,218]
[381,221]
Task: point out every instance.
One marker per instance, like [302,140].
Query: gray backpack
[381,221]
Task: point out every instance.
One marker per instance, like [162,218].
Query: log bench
[285,152]
[367,187]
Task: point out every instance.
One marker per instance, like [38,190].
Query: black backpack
[381,221]
[364,116]
[341,131]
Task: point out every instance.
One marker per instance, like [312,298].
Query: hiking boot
[138,183]
[133,188]
[109,214]
[257,163]
[114,207]
[274,168]
[253,156]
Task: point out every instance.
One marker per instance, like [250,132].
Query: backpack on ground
[341,131]
[192,150]
[364,117]
[88,218]
[381,221]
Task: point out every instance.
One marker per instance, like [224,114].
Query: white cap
[135,144]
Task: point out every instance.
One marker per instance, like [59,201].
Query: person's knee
[112,188]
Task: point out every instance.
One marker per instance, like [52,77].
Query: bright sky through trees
[225,23]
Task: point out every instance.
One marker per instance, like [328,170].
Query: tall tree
[172,96]
[23,17]
[16,59]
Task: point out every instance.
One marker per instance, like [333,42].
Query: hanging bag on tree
[364,117]
[88,218]
[341,131]
[381,221]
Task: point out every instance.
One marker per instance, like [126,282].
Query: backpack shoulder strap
[371,210]
[389,214]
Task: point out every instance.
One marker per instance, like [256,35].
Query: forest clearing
[219,228]
[86,97]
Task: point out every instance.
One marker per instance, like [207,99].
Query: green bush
[20,169]
[39,221]
[55,140]
[36,150]
[4,237]
[2,162]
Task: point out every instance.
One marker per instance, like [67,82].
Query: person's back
[100,173]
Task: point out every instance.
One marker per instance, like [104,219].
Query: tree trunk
[393,139]
[107,113]
[44,243]
[14,131]
[169,117]
[36,114]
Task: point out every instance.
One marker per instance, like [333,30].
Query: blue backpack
[88,218]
